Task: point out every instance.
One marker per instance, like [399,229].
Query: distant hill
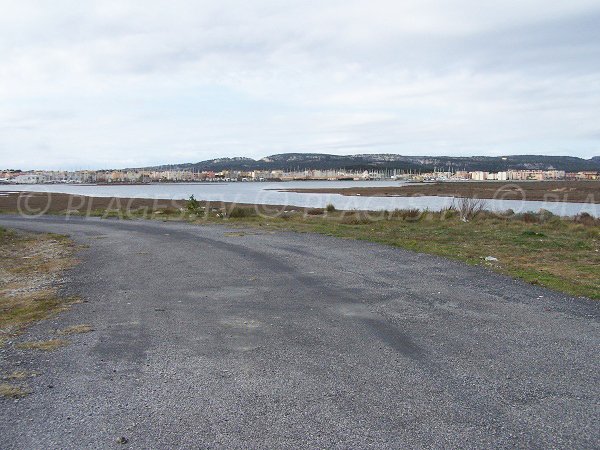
[316,161]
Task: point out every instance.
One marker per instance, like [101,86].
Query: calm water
[263,193]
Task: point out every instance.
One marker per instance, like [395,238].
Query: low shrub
[545,215]
[356,219]
[238,212]
[330,207]
[170,211]
[468,207]
[314,211]
[448,213]
[527,217]
[406,214]
[586,219]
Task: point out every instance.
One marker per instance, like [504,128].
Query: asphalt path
[212,337]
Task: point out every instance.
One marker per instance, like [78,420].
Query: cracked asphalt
[208,337]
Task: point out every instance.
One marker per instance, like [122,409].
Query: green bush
[330,207]
[192,204]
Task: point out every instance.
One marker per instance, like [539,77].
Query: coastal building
[175,176]
[479,176]
[30,178]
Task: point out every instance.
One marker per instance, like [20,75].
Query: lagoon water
[268,193]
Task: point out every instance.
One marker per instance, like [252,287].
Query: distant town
[137,176]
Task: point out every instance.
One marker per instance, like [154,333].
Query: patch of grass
[558,253]
[21,310]
[17,375]
[47,346]
[356,219]
[29,266]
[532,233]
[236,234]
[540,248]
[76,329]
[4,233]
[241,213]
[406,214]
[8,390]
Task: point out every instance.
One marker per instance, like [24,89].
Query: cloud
[112,83]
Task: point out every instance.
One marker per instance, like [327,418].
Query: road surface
[211,337]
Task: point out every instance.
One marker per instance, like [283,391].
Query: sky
[110,84]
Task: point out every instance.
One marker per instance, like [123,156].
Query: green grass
[241,213]
[557,253]
[540,248]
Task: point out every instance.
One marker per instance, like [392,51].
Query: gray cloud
[110,83]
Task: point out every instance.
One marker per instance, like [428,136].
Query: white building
[479,176]
[29,178]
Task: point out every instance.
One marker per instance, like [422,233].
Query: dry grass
[17,375]
[31,267]
[47,346]
[76,329]
[8,390]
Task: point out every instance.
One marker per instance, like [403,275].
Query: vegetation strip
[31,267]
[540,248]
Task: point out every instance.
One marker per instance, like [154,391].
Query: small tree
[468,207]
[330,207]
[192,204]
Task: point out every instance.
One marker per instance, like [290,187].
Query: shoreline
[42,202]
[547,191]
[39,203]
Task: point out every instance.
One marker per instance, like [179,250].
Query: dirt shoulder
[32,267]
[556,191]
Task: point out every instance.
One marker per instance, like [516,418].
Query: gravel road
[212,337]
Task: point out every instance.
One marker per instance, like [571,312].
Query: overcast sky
[98,84]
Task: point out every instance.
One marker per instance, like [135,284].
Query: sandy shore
[557,191]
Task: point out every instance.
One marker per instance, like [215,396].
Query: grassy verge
[558,253]
[30,268]
[540,248]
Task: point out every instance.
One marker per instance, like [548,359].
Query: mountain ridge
[383,161]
